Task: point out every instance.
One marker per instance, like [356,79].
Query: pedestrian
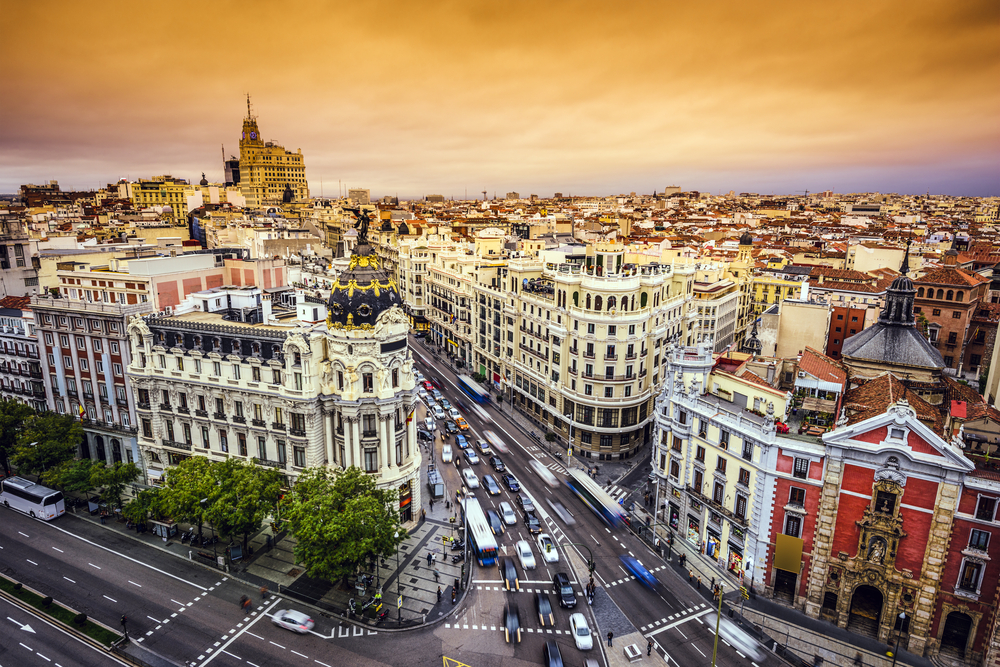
[713,583]
[699,582]
[858,661]
[683,559]
[430,558]
[690,576]
[423,514]
[263,592]
[432,503]
[610,637]
[439,593]
[437,576]
[246,607]
[817,661]
[453,596]
[243,599]
[649,647]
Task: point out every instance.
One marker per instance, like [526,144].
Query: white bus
[34,499]
[480,537]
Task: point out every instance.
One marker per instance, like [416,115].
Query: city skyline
[459,98]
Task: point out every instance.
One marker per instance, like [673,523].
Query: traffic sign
[399,602]
[744,592]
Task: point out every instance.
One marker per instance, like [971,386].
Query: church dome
[746,238]
[362,292]
[204,181]
[404,230]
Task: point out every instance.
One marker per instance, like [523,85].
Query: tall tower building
[267,169]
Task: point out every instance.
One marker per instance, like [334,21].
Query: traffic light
[124,620]
[591,566]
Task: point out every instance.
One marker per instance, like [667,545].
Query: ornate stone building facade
[338,393]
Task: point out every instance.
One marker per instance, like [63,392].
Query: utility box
[632,653]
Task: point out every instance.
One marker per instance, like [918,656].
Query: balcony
[630,357]
[186,446]
[72,392]
[269,464]
[260,423]
[718,507]
[122,402]
[278,426]
[166,407]
[38,391]
[35,374]
[536,353]
[297,432]
[143,406]
[574,350]
[572,371]
[221,416]
[588,355]
[201,413]
[610,357]
[239,419]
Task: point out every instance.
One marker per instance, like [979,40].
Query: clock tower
[267,170]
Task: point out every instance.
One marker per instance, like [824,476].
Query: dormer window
[897,434]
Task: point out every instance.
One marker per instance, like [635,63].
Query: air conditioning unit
[802,374]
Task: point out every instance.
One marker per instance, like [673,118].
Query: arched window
[920,293]
[576,299]
[959,295]
[624,304]
[588,302]
[598,303]
[950,296]
[940,294]
[643,300]
[612,303]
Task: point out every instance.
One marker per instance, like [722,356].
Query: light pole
[895,651]
[718,621]
[399,607]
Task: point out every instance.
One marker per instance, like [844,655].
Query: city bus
[596,498]
[34,499]
[473,390]
[478,533]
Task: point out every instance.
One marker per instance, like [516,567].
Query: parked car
[581,632]
[295,621]
[532,524]
[507,512]
[496,524]
[509,574]
[524,555]
[564,590]
[490,485]
[544,608]
[430,424]
[512,484]
[550,553]
[422,393]
[446,454]
[484,447]
[471,456]
[470,478]
[552,656]
[511,623]
[497,463]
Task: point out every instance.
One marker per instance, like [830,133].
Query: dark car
[553,658]
[450,427]
[420,334]
[525,504]
[532,524]
[511,483]
[491,485]
[639,572]
[509,574]
[497,464]
[496,523]
[511,623]
[564,590]
[544,608]
[424,435]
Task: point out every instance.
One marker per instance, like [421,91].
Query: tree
[114,479]
[145,505]
[46,440]
[341,520]
[72,476]
[248,494]
[12,417]
[187,484]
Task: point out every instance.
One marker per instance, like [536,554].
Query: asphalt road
[26,640]
[671,614]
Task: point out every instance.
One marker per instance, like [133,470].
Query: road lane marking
[279,646]
[699,650]
[154,620]
[253,635]
[31,561]
[322,663]
[92,565]
[304,656]
[112,599]
[26,535]
[59,550]
[181,604]
[245,630]
[134,584]
[69,580]
[233,655]
[42,657]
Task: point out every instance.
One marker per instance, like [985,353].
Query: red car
[428,386]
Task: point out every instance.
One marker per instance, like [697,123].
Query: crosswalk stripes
[617,492]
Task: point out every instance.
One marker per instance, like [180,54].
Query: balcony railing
[298,432]
[278,426]
[718,507]
[240,419]
[201,413]
[166,407]
[588,355]
[269,464]
[258,422]
[221,416]
[183,409]
[610,357]
[143,406]
[186,446]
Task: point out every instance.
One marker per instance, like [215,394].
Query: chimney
[265,309]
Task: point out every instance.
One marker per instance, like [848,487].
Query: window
[298,421]
[114,346]
[747,451]
[986,509]
[588,389]
[936,311]
[276,376]
[971,574]
[948,360]
[678,444]
[699,481]
[590,328]
[220,408]
[255,373]
[217,369]
[724,439]
[282,455]
[952,337]
[97,344]
[700,454]
[609,392]
[84,365]
[741,507]
[744,477]
[368,383]
[239,409]
[797,497]
[371,460]
[81,343]
[720,464]
[719,492]
[298,381]
[261,448]
[116,369]
[223,441]
[606,440]
[241,438]
[801,468]
[147,428]
[675,470]
[395,377]
[793,525]
[979,539]
[279,416]
[68,362]
[236,371]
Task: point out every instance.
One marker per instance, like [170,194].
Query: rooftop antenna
[249,115]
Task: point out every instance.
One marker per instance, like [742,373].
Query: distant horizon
[411,99]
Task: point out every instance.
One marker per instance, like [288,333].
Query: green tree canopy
[114,479]
[73,476]
[12,418]
[248,493]
[187,484]
[341,520]
[46,440]
[144,506]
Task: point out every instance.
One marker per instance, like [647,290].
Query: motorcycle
[458,558]
[382,616]
[457,544]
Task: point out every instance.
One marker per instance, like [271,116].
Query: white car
[446,454]
[439,413]
[422,393]
[470,478]
[739,638]
[454,413]
[430,424]
[507,512]
[495,440]
[544,473]
[524,555]
[295,621]
[550,554]
[581,632]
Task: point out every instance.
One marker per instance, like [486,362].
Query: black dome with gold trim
[361,293]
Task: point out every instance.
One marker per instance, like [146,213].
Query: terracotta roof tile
[875,396]
[948,275]
[822,367]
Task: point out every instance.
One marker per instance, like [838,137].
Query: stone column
[328,434]
[826,526]
[356,454]
[411,438]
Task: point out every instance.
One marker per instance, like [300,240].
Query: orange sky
[576,97]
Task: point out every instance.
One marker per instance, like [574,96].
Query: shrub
[80,619]
[46,601]
[17,586]
[550,437]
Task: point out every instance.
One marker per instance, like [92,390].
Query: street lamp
[895,651]
[718,621]
[399,607]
